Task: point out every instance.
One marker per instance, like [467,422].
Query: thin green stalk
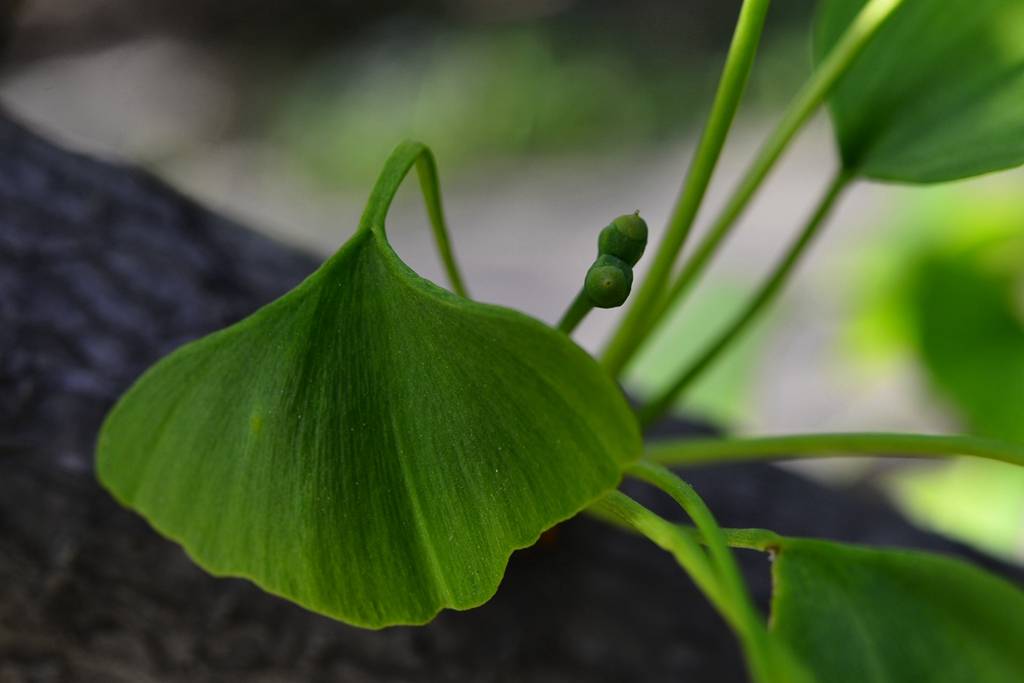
[764,296]
[396,168]
[576,312]
[798,446]
[805,104]
[621,509]
[692,504]
[735,74]
[750,628]
[761,540]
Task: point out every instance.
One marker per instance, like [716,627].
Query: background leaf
[939,296]
[967,314]
[866,616]
[369,445]
[937,95]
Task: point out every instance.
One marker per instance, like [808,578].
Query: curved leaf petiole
[745,620]
[681,543]
[397,166]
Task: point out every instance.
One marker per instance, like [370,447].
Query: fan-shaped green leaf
[937,95]
[870,616]
[370,445]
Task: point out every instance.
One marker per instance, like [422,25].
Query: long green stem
[761,540]
[577,310]
[669,537]
[733,82]
[692,504]
[764,296]
[797,446]
[811,96]
[750,628]
[397,166]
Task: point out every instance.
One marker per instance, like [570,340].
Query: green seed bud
[608,281]
[624,238]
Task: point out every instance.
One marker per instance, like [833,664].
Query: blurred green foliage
[968,322]
[946,291]
[724,394]
[494,93]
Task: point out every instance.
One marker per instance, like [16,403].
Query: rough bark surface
[103,269]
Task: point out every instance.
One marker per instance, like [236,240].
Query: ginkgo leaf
[938,93]
[369,445]
[873,616]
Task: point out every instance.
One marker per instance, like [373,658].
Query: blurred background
[549,118]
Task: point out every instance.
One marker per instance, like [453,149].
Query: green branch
[807,101]
[761,540]
[692,504]
[397,166]
[765,295]
[734,78]
[746,621]
[800,446]
[622,510]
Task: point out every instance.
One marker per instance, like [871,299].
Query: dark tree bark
[103,269]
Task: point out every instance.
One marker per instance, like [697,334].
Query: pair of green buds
[619,247]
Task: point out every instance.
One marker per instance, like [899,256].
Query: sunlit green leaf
[966,313]
[871,616]
[937,95]
[941,294]
[978,501]
[967,317]
[370,446]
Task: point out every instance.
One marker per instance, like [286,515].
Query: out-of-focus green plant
[948,297]
[475,96]
[501,93]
